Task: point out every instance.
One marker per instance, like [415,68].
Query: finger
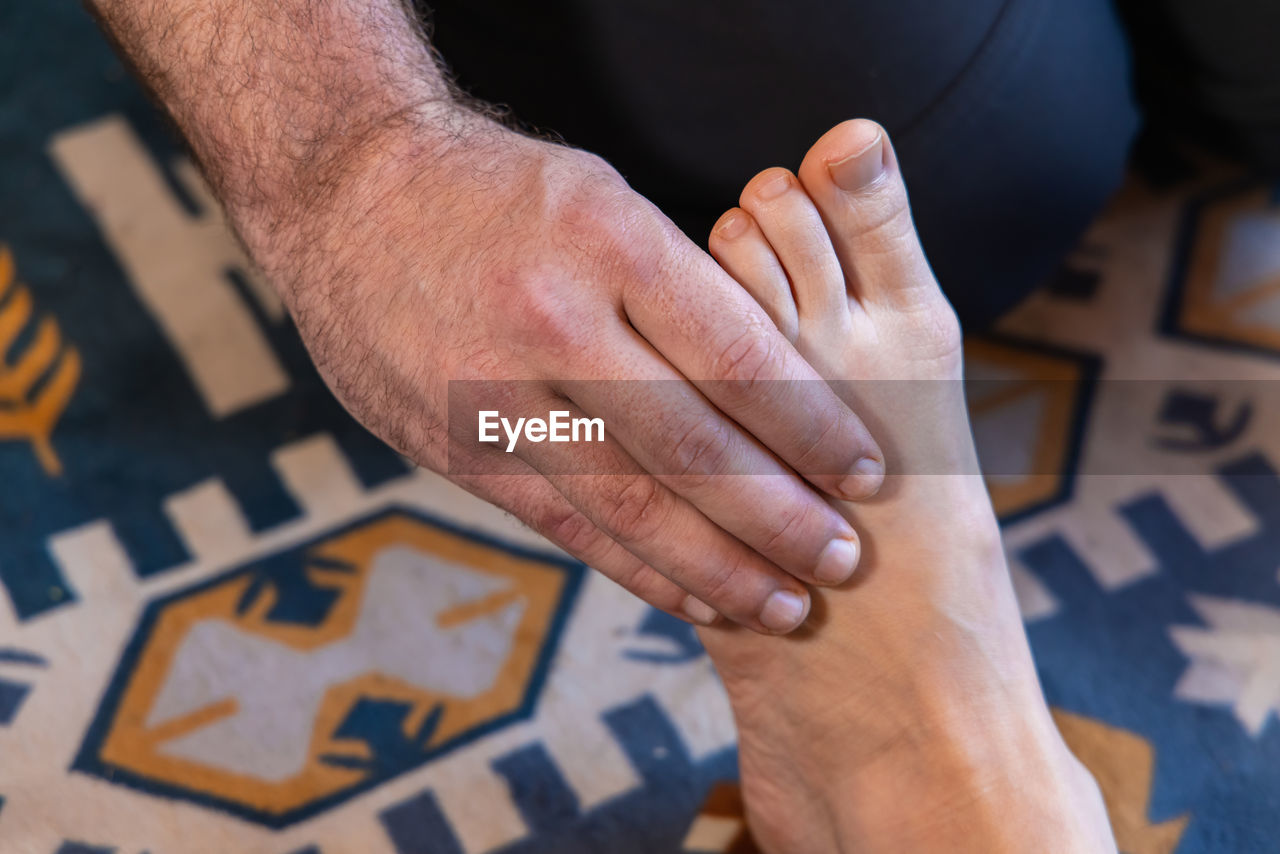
[670,430]
[667,533]
[535,502]
[712,331]
[663,530]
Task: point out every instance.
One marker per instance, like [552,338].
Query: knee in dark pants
[1006,178]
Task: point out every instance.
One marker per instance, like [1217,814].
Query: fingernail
[861,168]
[837,562]
[733,225]
[864,481]
[698,611]
[783,611]
[775,186]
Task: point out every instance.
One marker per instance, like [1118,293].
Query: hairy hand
[417,242]
[501,257]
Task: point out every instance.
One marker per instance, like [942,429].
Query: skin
[907,715]
[416,241]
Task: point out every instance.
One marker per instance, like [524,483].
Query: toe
[852,176]
[741,249]
[799,238]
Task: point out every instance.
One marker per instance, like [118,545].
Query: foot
[906,715]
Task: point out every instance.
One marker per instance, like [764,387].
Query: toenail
[864,480]
[783,611]
[837,562]
[773,187]
[698,611]
[733,225]
[860,169]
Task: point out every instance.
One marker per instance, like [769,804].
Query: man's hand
[417,242]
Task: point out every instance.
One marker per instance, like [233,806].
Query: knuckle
[620,243]
[818,445]
[598,215]
[700,453]
[588,215]
[543,311]
[571,530]
[784,531]
[723,587]
[742,366]
[636,511]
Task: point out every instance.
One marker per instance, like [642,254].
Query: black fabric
[1209,73]
[1012,118]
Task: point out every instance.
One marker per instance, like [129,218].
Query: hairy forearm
[276,96]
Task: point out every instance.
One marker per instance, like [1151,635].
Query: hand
[501,257]
[416,242]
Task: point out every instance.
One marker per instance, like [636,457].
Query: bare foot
[906,716]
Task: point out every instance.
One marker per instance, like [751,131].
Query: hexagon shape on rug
[1224,287]
[299,679]
[1027,404]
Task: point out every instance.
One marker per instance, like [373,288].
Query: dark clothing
[1210,73]
[1012,119]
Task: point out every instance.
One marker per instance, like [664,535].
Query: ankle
[990,785]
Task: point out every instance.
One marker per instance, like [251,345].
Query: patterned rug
[232,621]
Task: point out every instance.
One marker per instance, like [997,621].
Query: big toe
[852,176]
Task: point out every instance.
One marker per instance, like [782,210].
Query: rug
[233,621]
